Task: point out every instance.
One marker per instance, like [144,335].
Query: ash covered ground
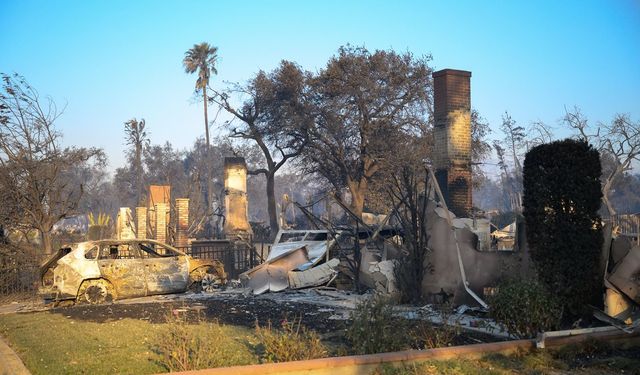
[234,311]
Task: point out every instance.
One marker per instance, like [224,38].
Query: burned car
[102,271]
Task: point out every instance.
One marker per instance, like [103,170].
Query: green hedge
[562,196]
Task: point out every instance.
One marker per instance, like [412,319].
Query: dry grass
[293,342]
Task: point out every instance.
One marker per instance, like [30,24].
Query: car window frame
[94,247]
[144,250]
[133,250]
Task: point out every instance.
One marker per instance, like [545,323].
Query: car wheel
[210,282]
[96,292]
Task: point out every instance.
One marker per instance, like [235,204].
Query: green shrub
[293,342]
[374,329]
[561,200]
[525,308]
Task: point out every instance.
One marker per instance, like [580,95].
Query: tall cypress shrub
[561,199]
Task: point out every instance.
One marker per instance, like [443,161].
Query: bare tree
[514,137]
[538,133]
[407,189]
[37,172]
[514,141]
[274,116]
[365,103]
[480,148]
[619,139]
[505,177]
[136,136]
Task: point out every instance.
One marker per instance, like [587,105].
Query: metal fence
[236,257]
[18,280]
[19,272]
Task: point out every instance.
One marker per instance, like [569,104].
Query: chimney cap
[454,72]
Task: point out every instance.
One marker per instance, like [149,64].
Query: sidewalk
[10,363]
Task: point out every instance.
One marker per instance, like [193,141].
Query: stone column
[161,222]
[182,222]
[452,136]
[141,222]
[235,201]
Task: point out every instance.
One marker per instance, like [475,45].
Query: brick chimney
[452,137]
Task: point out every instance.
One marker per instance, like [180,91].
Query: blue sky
[110,61]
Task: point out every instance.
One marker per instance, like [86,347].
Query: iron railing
[236,258]
[18,280]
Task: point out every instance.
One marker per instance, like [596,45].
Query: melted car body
[100,271]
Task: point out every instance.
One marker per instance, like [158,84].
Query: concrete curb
[10,363]
[366,364]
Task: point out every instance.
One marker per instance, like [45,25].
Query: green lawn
[51,343]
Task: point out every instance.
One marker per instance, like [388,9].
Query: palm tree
[137,137]
[202,59]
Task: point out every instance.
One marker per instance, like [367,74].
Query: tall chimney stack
[235,201]
[452,133]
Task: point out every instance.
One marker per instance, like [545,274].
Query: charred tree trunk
[358,190]
[47,242]
[271,206]
[138,175]
[208,196]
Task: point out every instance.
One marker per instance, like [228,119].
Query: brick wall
[452,137]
